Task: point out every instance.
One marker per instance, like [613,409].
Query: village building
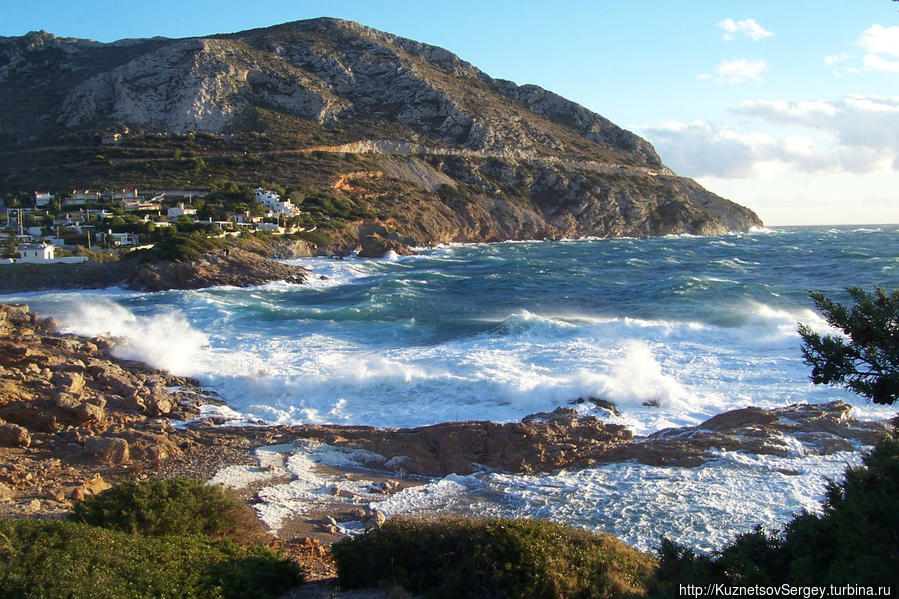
[271,227]
[125,194]
[35,253]
[274,203]
[180,210]
[81,197]
[42,199]
[118,239]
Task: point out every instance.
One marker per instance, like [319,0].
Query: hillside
[362,126]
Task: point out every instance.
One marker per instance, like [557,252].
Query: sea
[672,330]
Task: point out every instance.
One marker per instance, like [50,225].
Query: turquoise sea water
[695,325]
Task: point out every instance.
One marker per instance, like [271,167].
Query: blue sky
[790,108]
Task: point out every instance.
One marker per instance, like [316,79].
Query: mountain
[363,125]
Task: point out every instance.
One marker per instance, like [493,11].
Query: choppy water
[697,325]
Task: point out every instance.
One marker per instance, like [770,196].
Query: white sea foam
[703,507]
[164,339]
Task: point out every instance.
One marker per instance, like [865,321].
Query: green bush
[458,557]
[177,506]
[41,559]
[854,540]
[179,248]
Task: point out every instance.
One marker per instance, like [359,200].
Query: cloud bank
[858,135]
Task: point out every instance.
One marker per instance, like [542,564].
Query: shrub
[75,560]
[177,506]
[179,248]
[458,557]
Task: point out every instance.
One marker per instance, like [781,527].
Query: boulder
[69,382]
[375,519]
[67,402]
[90,415]
[376,246]
[95,485]
[6,493]
[13,435]
[109,450]
[158,403]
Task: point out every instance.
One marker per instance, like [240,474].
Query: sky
[788,107]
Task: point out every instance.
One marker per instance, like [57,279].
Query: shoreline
[236,266]
[65,394]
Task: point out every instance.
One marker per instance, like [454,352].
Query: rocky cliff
[448,152]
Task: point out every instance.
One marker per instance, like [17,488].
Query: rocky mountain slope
[395,128]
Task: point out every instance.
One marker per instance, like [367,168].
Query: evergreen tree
[865,359]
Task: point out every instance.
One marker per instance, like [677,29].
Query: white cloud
[855,135]
[881,40]
[748,27]
[835,58]
[855,121]
[878,63]
[881,45]
[737,71]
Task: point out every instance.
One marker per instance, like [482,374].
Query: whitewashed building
[42,198]
[36,253]
[273,202]
[180,210]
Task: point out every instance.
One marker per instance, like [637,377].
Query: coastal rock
[799,429]
[109,450]
[376,246]
[375,519]
[539,443]
[63,400]
[69,382]
[95,485]
[13,435]
[236,267]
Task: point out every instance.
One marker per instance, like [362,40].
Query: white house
[126,194]
[273,202]
[42,198]
[36,253]
[84,195]
[122,238]
[269,227]
[180,210]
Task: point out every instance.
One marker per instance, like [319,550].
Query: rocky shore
[232,266]
[74,419]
